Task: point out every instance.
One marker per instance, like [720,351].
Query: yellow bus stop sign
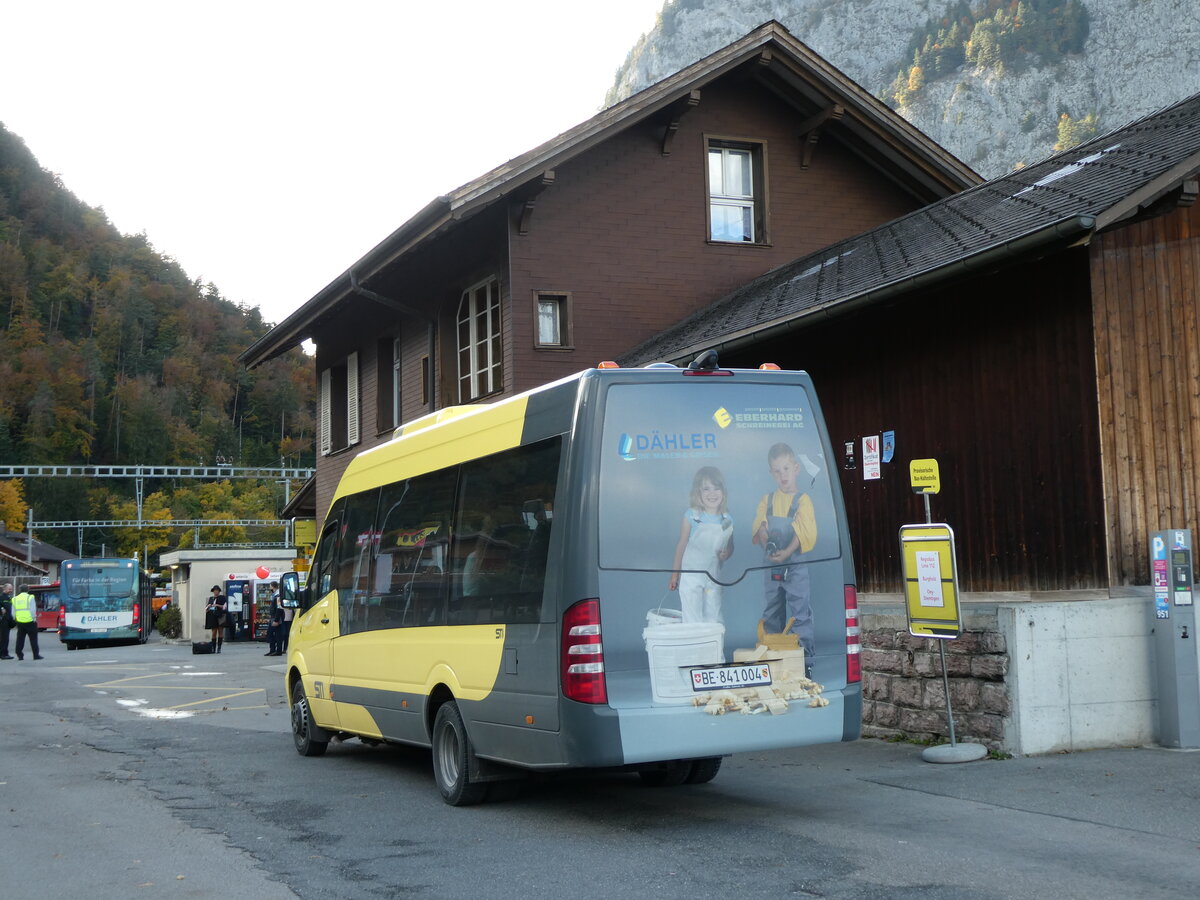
[924,476]
[930,580]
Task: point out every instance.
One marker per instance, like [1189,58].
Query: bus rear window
[97,583]
[728,457]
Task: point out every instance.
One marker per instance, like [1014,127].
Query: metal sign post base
[954,753]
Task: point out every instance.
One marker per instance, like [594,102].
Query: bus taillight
[62,618]
[583,654]
[137,614]
[853,637]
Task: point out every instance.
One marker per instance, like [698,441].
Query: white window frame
[388,388]
[721,197]
[483,373]
[562,303]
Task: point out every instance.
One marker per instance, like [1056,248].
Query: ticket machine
[1177,660]
[237,590]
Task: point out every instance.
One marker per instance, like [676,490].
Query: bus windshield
[742,458]
[99,582]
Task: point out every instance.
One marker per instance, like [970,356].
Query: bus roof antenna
[706,361]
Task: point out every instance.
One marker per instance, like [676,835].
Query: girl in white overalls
[705,541]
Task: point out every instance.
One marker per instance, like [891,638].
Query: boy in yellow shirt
[786,528]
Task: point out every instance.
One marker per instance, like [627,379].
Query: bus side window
[320,579]
[502,537]
[352,577]
[411,550]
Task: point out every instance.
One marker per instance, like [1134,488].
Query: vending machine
[260,619]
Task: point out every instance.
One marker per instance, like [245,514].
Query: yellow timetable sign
[304,531]
[924,476]
[930,580]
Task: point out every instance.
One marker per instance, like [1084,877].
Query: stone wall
[903,690]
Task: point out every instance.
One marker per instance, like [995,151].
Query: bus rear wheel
[704,770]
[667,774]
[310,738]
[451,756]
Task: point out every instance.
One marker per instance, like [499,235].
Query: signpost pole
[925,495]
[946,686]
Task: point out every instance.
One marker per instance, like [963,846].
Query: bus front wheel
[451,755]
[310,738]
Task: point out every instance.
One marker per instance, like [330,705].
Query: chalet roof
[770,54]
[1130,172]
[13,543]
[303,504]
[17,571]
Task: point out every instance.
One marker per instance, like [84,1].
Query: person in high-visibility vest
[24,608]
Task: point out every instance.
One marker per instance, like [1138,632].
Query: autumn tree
[1073,132]
[13,510]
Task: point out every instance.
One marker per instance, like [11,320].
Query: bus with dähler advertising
[646,569]
[104,601]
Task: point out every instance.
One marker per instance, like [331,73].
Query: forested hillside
[109,354]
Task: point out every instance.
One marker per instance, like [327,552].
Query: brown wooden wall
[995,379]
[1146,285]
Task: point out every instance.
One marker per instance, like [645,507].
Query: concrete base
[954,753]
[1080,675]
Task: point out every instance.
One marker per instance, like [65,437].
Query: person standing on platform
[6,619]
[289,613]
[24,610]
[275,628]
[214,618]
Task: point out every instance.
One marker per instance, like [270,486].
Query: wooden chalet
[604,236]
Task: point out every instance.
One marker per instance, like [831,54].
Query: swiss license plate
[718,678]
[97,630]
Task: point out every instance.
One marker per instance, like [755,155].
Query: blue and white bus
[104,601]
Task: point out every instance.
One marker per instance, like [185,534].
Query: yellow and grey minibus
[639,568]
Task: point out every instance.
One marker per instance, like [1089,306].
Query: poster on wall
[870,451]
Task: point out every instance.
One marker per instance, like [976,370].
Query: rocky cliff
[1138,56]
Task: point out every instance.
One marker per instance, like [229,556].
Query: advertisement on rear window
[721,571]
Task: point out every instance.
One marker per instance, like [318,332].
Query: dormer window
[736,192]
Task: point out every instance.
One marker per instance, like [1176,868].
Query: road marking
[141,682]
[245,693]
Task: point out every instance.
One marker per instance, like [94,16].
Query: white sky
[267,145]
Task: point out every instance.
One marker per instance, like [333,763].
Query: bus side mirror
[290,591]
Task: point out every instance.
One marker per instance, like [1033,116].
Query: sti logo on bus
[666,445]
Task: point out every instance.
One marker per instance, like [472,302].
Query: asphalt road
[149,772]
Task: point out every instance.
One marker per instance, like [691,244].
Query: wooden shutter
[352,430]
[325,426]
